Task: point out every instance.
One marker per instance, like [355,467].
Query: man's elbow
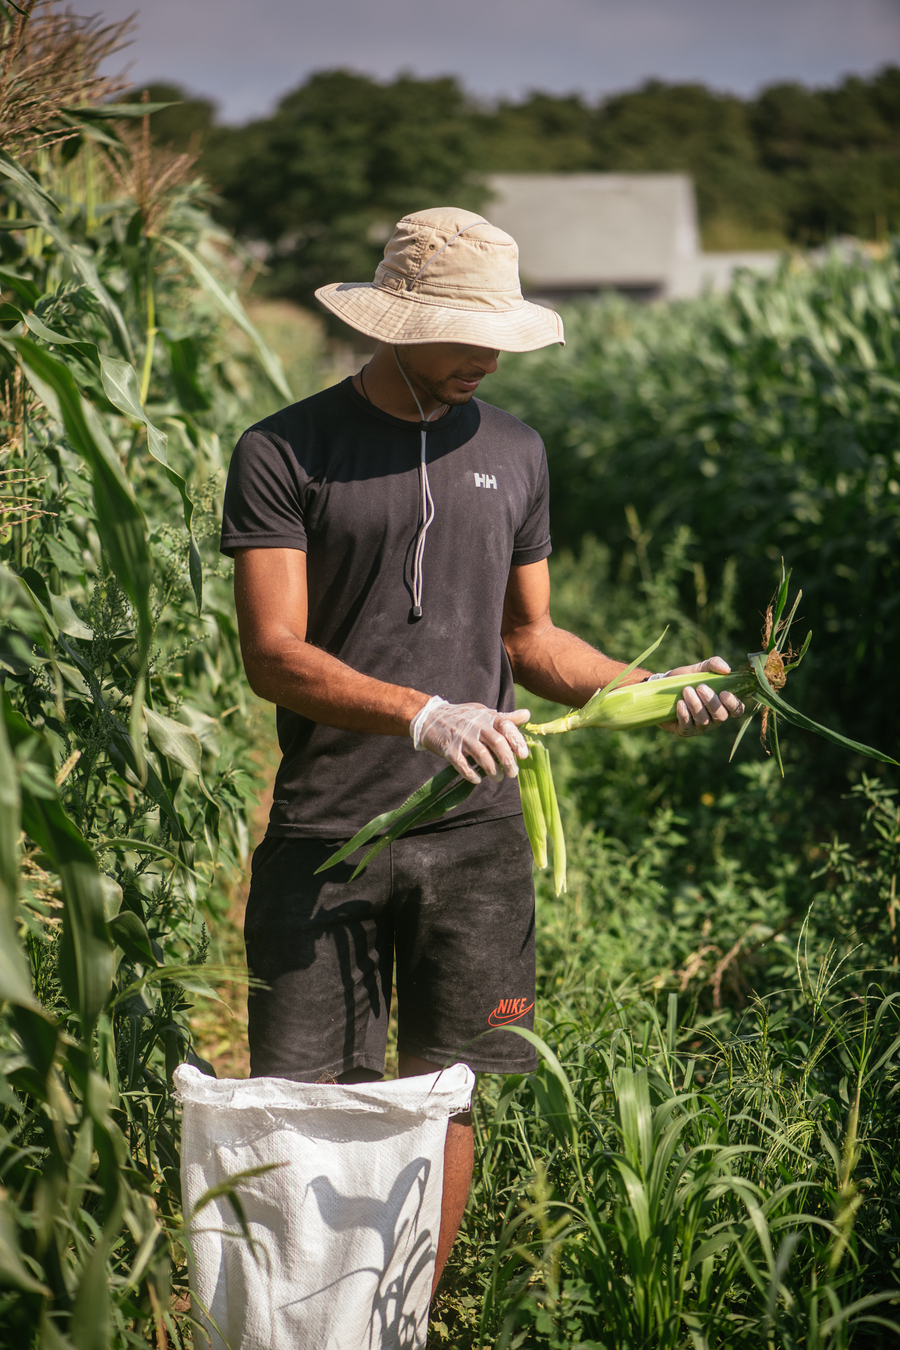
[264,670]
[525,645]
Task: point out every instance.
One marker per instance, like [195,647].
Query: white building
[583,233]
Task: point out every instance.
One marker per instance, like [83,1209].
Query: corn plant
[119,369]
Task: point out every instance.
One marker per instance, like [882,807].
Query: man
[390,538]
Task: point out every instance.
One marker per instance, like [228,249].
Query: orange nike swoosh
[496,1019]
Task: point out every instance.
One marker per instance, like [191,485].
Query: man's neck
[382,383]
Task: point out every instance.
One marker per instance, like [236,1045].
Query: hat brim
[403,318]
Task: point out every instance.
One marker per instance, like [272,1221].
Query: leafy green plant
[123,789]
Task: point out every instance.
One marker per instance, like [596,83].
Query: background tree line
[342,156]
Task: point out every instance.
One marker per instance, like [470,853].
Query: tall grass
[661,1184]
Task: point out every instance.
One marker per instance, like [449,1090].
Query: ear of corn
[642,705]
[622,708]
[540,810]
[532,809]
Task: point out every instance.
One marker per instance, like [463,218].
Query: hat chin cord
[426,502]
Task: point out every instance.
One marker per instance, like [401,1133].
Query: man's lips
[468,383]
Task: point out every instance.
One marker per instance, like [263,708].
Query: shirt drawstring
[426,504]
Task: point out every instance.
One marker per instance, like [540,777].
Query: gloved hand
[699,707]
[462,731]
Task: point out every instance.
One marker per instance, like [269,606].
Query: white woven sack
[344,1231]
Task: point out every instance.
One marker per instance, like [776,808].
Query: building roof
[584,232]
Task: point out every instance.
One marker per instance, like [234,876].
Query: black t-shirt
[338,478]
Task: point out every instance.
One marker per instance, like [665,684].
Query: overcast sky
[246,53]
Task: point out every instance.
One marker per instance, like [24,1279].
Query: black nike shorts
[452,910]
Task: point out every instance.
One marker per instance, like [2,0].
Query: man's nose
[485,359]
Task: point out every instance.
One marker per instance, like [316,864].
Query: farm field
[708,1154]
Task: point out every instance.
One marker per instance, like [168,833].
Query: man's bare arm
[271,600]
[547,660]
[557,665]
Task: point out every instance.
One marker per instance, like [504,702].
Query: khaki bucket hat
[447,276]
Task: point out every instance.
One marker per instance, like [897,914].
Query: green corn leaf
[45,209]
[101,112]
[15,984]
[431,810]
[582,717]
[594,703]
[86,954]
[783,635]
[550,809]
[13,1271]
[792,665]
[22,285]
[231,306]
[120,521]
[532,811]
[428,792]
[23,179]
[780,602]
[90,1323]
[770,699]
[175,741]
[130,845]
[120,384]
[742,731]
[776,748]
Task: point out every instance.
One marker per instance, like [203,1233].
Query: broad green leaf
[13,1271]
[90,1324]
[131,934]
[120,384]
[129,845]
[429,791]
[742,731]
[23,179]
[86,954]
[231,306]
[15,983]
[26,288]
[423,815]
[175,741]
[120,521]
[594,702]
[114,111]
[44,208]
[780,602]
[767,696]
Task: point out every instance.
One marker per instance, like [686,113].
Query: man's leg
[459,1159]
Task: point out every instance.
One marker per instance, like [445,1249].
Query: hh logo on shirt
[486,480]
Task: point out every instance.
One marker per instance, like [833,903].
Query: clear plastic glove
[700,707]
[460,732]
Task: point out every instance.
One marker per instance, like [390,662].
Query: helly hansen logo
[508,1010]
[485,480]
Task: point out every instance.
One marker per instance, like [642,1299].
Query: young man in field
[390,538]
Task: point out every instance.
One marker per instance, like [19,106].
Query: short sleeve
[263,496]
[532,540]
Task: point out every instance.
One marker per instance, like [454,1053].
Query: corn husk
[540,811]
[620,707]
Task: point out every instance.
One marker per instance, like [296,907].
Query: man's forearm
[561,667]
[309,681]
